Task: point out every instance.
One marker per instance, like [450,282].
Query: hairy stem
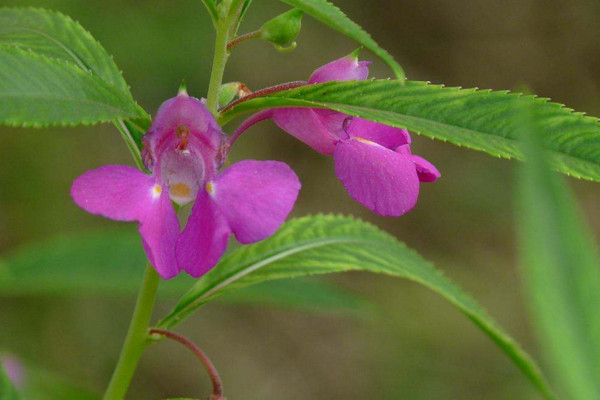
[243,38]
[136,340]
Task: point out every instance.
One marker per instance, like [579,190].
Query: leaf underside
[482,120]
[329,244]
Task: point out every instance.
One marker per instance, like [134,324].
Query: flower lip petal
[204,239]
[255,197]
[124,193]
[426,171]
[117,192]
[382,180]
[159,228]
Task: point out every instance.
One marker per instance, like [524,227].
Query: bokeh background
[412,345]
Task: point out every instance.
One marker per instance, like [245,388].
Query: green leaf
[561,270]
[333,17]
[328,244]
[302,294]
[111,264]
[478,119]
[55,35]
[7,390]
[40,91]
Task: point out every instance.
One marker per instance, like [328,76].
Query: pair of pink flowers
[250,199]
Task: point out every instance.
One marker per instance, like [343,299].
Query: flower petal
[117,192]
[183,110]
[426,171]
[304,124]
[204,239]
[183,123]
[160,229]
[344,69]
[380,179]
[255,197]
[126,194]
[385,135]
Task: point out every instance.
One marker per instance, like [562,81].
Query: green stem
[218,67]
[131,145]
[136,340]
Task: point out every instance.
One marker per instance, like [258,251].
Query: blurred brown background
[416,346]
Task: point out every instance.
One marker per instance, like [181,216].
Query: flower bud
[283,30]
[229,91]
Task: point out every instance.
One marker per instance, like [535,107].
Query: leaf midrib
[62,98]
[276,255]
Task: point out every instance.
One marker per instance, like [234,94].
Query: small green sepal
[182,88]
[354,55]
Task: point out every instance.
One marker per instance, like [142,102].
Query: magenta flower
[373,161]
[250,199]
[14,369]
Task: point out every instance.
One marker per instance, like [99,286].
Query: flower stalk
[217,384]
[243,38]
[136,340]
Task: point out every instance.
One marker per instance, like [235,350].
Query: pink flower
[250,199]
[14,369]
[373,161]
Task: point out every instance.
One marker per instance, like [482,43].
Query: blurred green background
[415,346]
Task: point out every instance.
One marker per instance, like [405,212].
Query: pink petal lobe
[204,239]
[426,171]
[126,194]
[304,124]
[255,197]
[159,228]
[382,180]
[117,192]
[344,69]
[385,135]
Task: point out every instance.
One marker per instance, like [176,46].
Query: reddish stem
[264,92]
[217,393]
[242,38]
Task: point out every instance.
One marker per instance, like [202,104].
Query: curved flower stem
[243,38]
[217,384]
[136,340]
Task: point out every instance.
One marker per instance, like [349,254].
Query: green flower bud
[283,30]
[229,91]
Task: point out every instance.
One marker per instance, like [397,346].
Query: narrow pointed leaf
[478,119]
[329,244]
[561,269]
[333,17]
[40,91]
